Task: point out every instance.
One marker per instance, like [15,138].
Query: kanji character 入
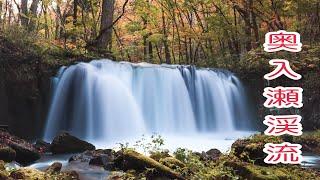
[283,68]
[285,153]
[283,97]
[283,124]
[282,40]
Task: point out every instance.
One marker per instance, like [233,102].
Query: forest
[200,32]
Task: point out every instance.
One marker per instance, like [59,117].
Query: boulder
[25,152]
[211,155]
[132,160]
[100,157]
[66,143]
[54,168]
[7,154]
[42,146]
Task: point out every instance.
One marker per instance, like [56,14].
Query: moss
[130,159]
[28,173]
[157,155]
[310,141]
[172,162]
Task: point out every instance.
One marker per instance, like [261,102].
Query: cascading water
[105,100]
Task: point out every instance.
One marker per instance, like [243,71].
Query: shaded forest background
[211,33]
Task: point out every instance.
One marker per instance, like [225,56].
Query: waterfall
[104,100]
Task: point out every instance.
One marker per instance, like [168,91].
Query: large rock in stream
[66,143]
[25,152]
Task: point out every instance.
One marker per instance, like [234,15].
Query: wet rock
[129,159]
[99,157]
[54,168]
[66,143]
[7,154]
[42,146]
[25,152]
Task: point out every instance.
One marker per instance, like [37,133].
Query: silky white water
[106,101]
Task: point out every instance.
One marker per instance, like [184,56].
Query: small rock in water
[66,143]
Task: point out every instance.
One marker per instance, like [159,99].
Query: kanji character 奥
[282,40]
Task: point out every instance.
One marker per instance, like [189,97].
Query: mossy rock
[129,159]
[157,155]
[172,163]
[250,171]
[251,149]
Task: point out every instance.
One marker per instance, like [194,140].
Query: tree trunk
[33,15]
[105,38]
[150,51]
[165,39]
[0,13]
[24,13]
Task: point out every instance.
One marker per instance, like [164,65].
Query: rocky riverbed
[68,157]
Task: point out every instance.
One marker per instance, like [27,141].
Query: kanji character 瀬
[283,97]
